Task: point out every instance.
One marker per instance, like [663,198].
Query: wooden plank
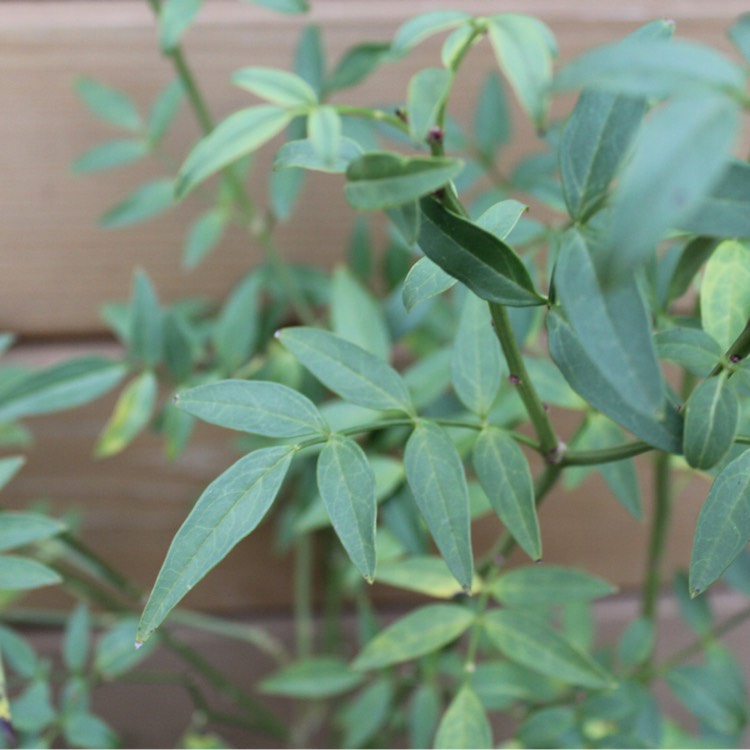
[58,267]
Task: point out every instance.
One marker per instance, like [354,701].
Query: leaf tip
[370,579]
[137,645]
[695,592]
[538,561]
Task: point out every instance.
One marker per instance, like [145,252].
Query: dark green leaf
[148,201]
[83,729]
[237,136]
[77,637]
[178,347]
[367,713]
[383,179]
[227,511]
[276,86]
[356,64]
[694,611]
[547,584]
[108,104]
[110,154]
[545,727]
[204,234]
[406,220]
[636,643]
[424,713]
[302,154]
[723,527]
[711,418]
[17,529]
[504,474]
[348,370]
[421,632]
[32,709]
[284,189]
[424,281]
[347,485]
[501,683]
[526,640]
[525,49]
[492,123]
[236,333]
[464,724]
[692,348]
[691,260]
[18,653]
[309,58]
[427,93]
[475,257]
[146,324]
[423,26]
[175,18]
[257,406]
[317,677]
[436,477]
[64,386]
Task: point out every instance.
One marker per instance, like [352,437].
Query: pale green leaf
[164,110]
[278,87]
[283,6]
[424,574]
[464,724]
[76,641]
[636,643]
[324,132]
[426,96]
[501,217]
[110,105]
[356,64]
[367,713]
[739,33]
[694,349]
[547,584]
[115,654]
[175,18]
[423,26]
[424,281]
[83,729]
[17,529]
[492,121]
[110,154]
[9,467]
[144,203]
[302,154]
[227,511]
[235,335]
[456,45]
[22,573]
[202,237]
[424,714]
[317,677]
[309,58]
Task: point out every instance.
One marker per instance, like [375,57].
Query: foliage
[393,422]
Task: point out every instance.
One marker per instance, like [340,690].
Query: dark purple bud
[545,406]
[735,358]
[514,379]
[435,135]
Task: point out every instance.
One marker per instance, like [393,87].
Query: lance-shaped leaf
[723,527]
[22,573]
[679,158]
[421,632]
[612,325]
[9,467]
[163,111]
[237,136]
[712,414]
[144,203]
[146,322]
[425,25]
[283,6]
[318,677]
[692,258]
[501,217]
[17,529]
[229,509]
[464,724]
[382,179]
[427,93]
[477,359]
[422,573]
[725,211]
[108,104]
[367,713]
[547,584]
[347,369]
[175,18]
[436,477]
[324,131]
[692,348]
[204,235]
[235,334]
[115,654]
[63,386]
[110,154]
[303,154]
[739,33]
[276,86]
[525,49]
[528,641]
[424,281]
[347,486]
[475,257]
[356,64]
[662,428]
[257,406]
[725,292]
[505,477]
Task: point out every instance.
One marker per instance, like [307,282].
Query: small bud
[545,406]
[735,358]
[514,379]
[435,135]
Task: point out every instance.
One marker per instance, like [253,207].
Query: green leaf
[424,574]
[33,710]
[424,281]
[9,467]
[178,346]
[347,486]
[680,155]
[436,477]
[712,415]
[76,641]
[492,122]
[725,292]
[424,713]
[724,211]
[636,643]
[83,729]
[348,370]
[235,336]
[115,654]
[423,26]
[6,341]
[406,220]
[148,201]
[484,263]
[109,105]
[739,33]
[421,632]
[382,179]
[227,511]
[146,322]
[356,64]
[64,386]
[257,406]
[17,529]
[18,653]
[163,111]
[278,87]
[456,44]
[302,154]
[662,428]
[21,573]
[501,217]
[525,49]
[131,414]
[691,260]
[283,6]
[367,713]
[284,189]
[499,684]
[548,584]
[356,316]
[239,135]
[723,527]
[694,612]
[324,131]
[612,324]
[478,362]
[203,236]
[309,58]
[175,18]
[464,724]
[505,477]
[692,348]
[551,385]
[109,155]
[526,640]
[426,96]
[317,677]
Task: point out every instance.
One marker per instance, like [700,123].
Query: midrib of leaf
[711,417]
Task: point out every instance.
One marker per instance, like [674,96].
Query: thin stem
[606,455]
[548,441]
[658,536]
[737,351]
[372,114]
[303,580]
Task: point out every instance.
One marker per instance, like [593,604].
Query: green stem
[303,609]
[606,455]
[372,114]
[550,446]
[737,351]
[658,535]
